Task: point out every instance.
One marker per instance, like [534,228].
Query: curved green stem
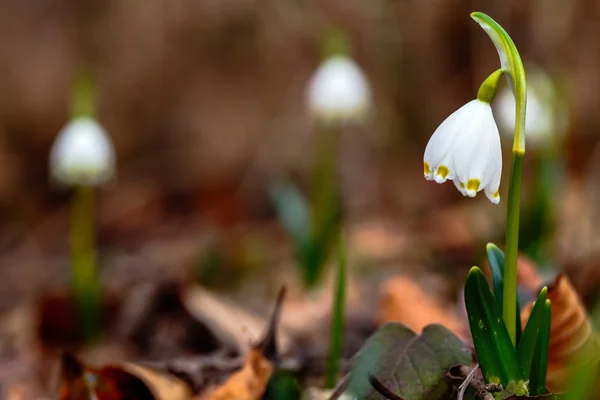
[514,70]
[512,65]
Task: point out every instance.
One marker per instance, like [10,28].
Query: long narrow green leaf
[311,238]
[496,260]
[539,365]
[495,352]
[292,209]
[528,343]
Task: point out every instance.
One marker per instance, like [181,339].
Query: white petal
[492,190]
[476,149]
[338,91]
[82,153]
[439,150]
[460,186]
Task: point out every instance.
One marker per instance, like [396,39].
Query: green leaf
[495,351]
[312,230]
[539,365]
[292,209]
[337,317]
[496,260]
[282,385]
[528,343]
[410,365]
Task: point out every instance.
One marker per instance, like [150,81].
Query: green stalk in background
[86,289]
[83,157]
[325,210]
[337,316]
[512,66]
[83,258]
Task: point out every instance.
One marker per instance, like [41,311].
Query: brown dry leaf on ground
[229,322]
[217,376]
[162,385]
[403,300]
[572,339]
[249,383]
[80,382]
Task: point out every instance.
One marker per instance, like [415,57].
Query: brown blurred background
[204,101]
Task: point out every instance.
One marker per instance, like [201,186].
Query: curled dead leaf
[572,339]
[230,323]
[80,382]
[162,385]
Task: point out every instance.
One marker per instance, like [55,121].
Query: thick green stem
[513,67]
[511,251]
[337,316]
[83,260]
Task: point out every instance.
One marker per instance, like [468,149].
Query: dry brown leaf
[162,385]
[403,300]
[80,382]
[118,382]
[572,339]
[221,375]
[216,377]
[249,383]
[231,323]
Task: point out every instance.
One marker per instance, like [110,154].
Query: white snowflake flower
[465,148]
[82,154]
[339,91]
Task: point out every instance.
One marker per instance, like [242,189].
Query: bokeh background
[205,103]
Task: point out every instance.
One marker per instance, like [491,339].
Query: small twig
[382,389]
[463,386]
[268,344]
[340,388]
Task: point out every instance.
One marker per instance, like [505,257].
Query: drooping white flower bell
[339,91]
[82,153]
[465,148]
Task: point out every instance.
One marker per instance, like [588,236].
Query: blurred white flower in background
[339,91]
[82,154]
[465,148]
[546,117]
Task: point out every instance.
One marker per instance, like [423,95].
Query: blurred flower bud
[82,154]
[339,91]
[546,118]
